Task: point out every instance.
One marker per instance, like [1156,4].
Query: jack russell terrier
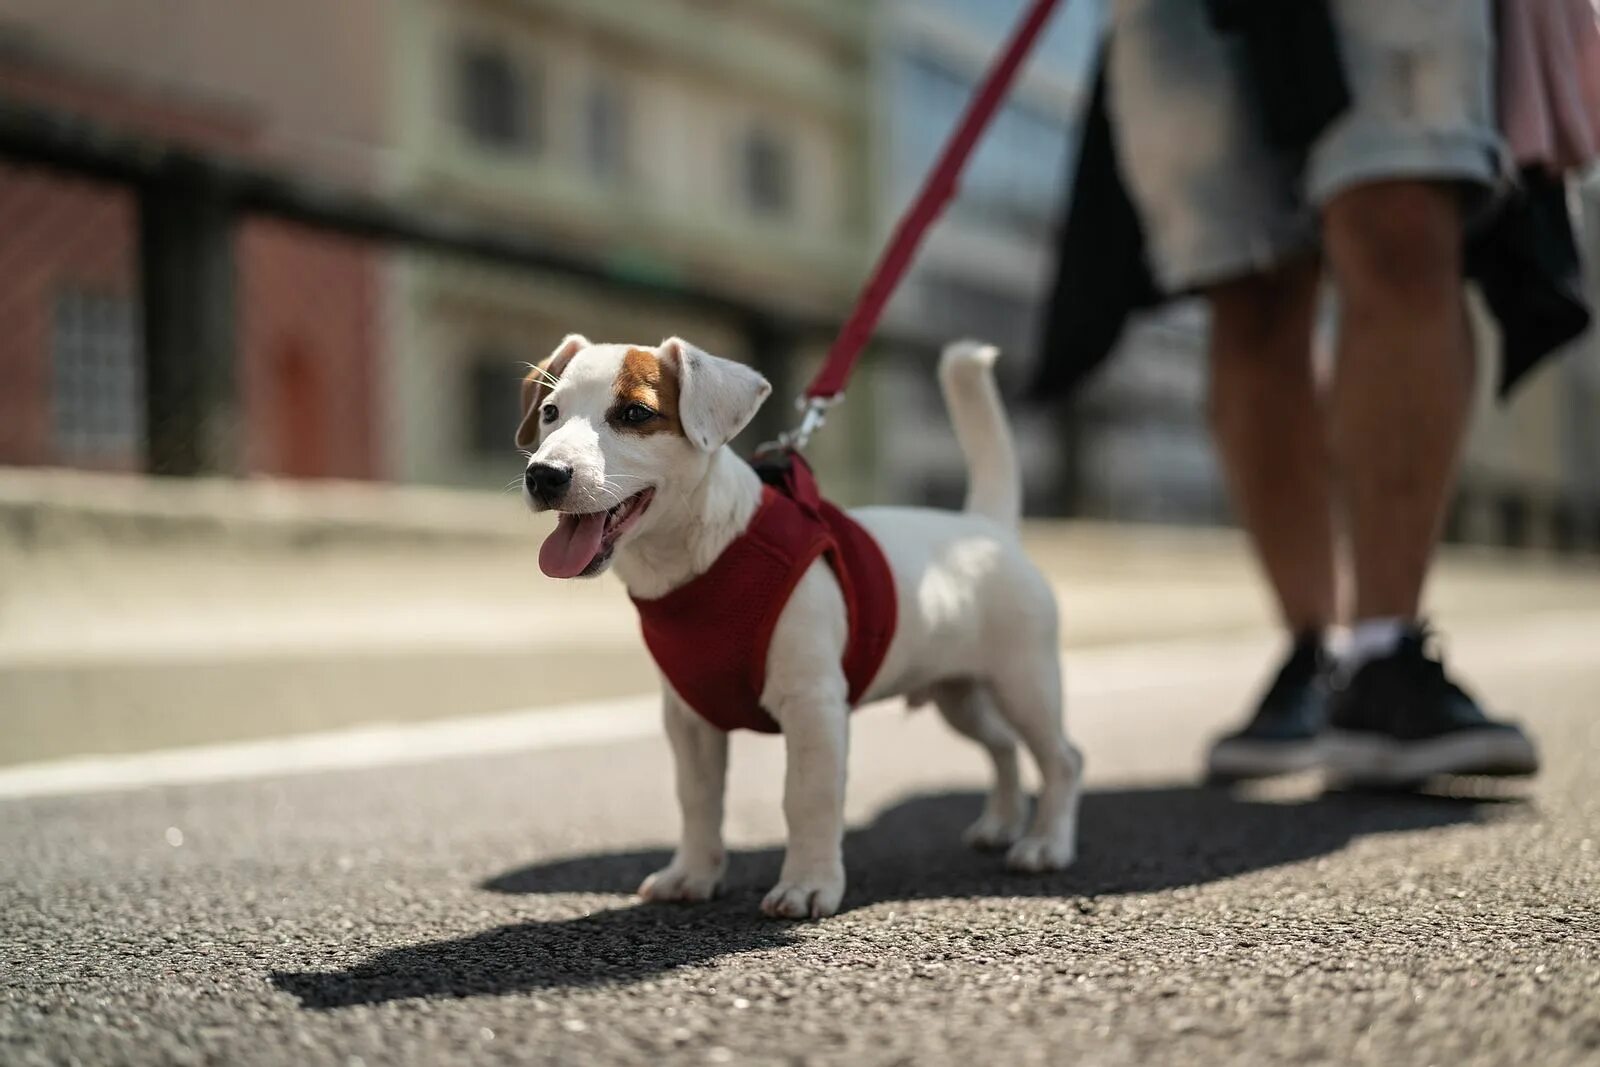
[629,445]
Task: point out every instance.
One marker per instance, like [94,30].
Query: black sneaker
[1284,736]
[1400,720]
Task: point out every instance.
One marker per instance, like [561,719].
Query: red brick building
[309,322]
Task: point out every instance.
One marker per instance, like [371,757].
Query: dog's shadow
[1131,841]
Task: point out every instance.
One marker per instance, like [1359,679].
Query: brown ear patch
[645,380]
[536,386]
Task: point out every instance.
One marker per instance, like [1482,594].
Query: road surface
[459,892]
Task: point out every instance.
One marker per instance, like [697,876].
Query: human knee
[1395,244]
[1260,349]
[1262,316]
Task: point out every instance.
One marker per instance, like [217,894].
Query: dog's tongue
[573,545]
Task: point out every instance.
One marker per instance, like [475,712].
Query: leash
[827,387]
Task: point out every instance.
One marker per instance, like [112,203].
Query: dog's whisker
[602,491]
[540,375]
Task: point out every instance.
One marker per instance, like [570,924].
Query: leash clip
[813,414]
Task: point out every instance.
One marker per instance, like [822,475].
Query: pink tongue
[573,545]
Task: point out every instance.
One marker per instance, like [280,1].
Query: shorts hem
[1435,156]
[1225,260]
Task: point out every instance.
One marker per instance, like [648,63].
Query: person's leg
[1217,202]
[1403,384]
[1267,423]
[1399,406]
[1392,180]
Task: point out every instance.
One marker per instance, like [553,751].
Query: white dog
[629,445]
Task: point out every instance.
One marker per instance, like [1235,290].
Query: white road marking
[382,745]
[1533,642]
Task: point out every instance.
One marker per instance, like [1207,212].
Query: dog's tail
[994,484]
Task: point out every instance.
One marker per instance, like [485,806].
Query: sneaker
[1284,736]
[1401,720]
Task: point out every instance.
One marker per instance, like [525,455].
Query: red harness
[710,637]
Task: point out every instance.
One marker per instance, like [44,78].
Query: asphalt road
[477,908]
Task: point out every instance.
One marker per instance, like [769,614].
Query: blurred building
[722,142]
[1138,443]
[301,83]
[983,270]
[1134,445]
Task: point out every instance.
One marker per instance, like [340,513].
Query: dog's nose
[547,480]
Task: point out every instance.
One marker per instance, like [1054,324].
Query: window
[605,126]
[766,172]
[494,401]
[499,99]
[98,372]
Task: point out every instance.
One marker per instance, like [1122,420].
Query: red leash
[935,195]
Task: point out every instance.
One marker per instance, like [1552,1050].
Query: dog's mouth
[582,544]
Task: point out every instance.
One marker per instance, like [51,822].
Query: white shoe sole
[1243,758]
[1371,759]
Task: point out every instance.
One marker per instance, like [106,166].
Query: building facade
[721,142]
[308,329]
[985,267]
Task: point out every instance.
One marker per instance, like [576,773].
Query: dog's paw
[808,896]
[1042,853]
[682,883]
[994,831]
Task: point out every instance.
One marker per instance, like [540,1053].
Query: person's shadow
[1130,841]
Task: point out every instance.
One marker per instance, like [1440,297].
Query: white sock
[1373,639]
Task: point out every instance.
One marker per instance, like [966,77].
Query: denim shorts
[1216,200]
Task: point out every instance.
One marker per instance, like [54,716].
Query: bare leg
[700,763]
[1267,421]
[1402,390]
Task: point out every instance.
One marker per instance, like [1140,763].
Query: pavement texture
[479,910]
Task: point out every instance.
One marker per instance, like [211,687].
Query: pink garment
[1550,82]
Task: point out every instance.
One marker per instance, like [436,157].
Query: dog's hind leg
[969,708]
[1027,690]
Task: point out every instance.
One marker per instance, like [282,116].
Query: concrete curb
[47,507]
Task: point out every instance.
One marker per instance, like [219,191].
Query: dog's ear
[716,397]
[538,382]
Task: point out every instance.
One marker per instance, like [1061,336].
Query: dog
[629,445]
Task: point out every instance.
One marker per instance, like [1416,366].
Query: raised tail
[994,484]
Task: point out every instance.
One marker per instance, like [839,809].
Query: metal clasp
[813,414]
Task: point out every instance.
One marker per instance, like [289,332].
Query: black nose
[547,480]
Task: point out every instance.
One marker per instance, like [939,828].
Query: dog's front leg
[807,693]
[700,763]
[816,742]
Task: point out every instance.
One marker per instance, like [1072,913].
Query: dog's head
[610,427]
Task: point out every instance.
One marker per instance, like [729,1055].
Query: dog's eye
[549,413]
[637,413]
